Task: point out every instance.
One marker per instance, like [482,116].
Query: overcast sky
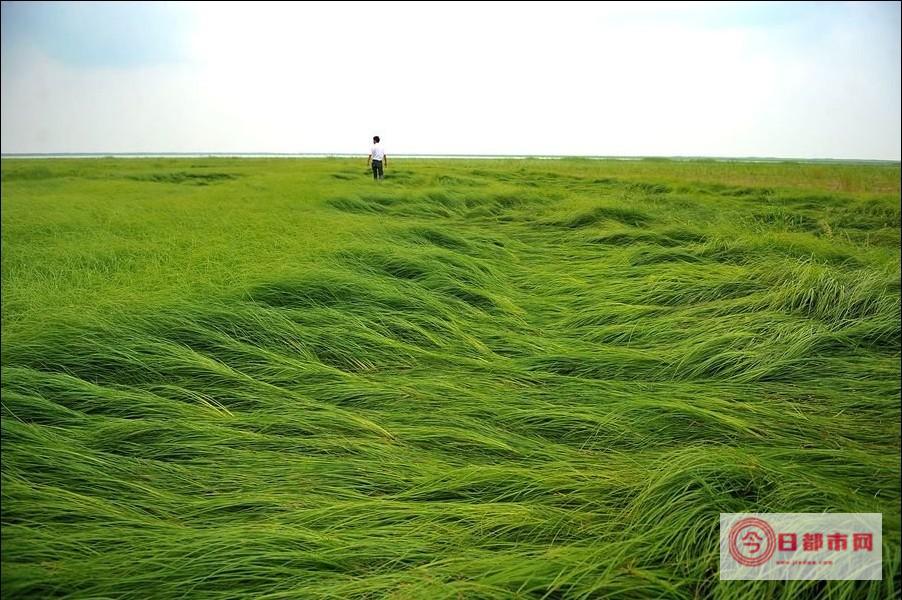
[808,80]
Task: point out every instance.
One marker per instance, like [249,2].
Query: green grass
[256,378]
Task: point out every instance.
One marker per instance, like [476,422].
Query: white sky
[808,80]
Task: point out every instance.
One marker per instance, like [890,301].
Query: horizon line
[435,155]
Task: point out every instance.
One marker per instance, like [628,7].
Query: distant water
[288,155]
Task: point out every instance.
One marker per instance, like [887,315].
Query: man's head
[375,139]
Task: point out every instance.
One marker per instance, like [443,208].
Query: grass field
[259,378]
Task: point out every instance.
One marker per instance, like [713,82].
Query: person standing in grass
[378,158]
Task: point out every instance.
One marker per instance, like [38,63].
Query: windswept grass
[243,378]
